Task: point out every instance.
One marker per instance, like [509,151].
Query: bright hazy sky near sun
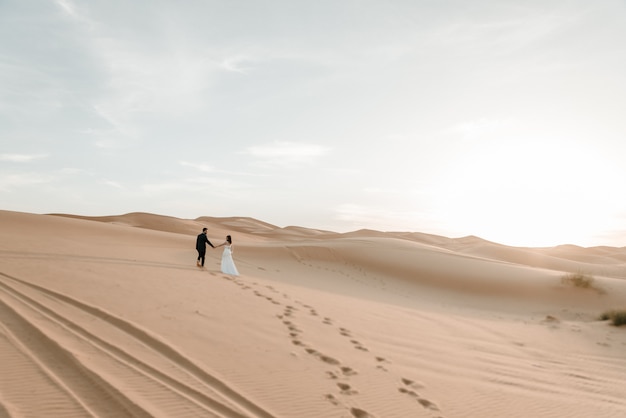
[495,118]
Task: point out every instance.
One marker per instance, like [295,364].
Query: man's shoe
[198,264]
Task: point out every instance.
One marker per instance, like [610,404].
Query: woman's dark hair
[229,239]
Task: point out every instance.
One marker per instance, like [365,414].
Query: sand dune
[110,317]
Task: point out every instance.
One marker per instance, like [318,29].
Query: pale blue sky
[501,119]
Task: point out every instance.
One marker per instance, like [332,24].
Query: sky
[495,118]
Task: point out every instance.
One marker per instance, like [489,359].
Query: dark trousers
[201,255]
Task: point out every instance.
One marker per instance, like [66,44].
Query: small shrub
[581,280]
[617,318]
[606,315]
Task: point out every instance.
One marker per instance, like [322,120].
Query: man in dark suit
[201,242]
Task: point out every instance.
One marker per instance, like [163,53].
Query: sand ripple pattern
[47,341]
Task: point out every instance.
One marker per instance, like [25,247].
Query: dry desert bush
[581,280]
[617,317]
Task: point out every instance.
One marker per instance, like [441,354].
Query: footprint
[408,392]
[428,404]
[358,345]
[412,383]
[331,398]
[348,371]
[328,359]
[332,375]
[422,401]
[360,413]
[328,321]
[346,389]
[345,332]
[323,357]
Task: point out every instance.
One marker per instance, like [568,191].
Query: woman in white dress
[228,265]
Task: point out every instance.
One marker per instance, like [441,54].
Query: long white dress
[228,265]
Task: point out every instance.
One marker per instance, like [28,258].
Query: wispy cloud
[112,184]
[503,33]
[21,158]
[207,168]
[111,144]
[72,171]
[12,181]
[282,154]
[139,82]
[144,80]
[74,12]
[213,185]
[169,187]
[200,167]
[236,63]
[68,8]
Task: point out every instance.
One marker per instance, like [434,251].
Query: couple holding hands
[228,265]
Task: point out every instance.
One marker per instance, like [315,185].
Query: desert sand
[110,317]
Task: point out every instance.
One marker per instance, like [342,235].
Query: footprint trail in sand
[296,317]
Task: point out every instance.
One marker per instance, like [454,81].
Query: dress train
[228,265]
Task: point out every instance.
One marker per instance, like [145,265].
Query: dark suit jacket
[202,241]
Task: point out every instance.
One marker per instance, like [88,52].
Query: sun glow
[535,193]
